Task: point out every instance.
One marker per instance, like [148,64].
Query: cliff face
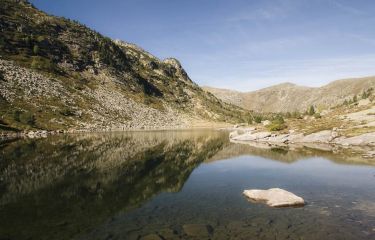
[288,97]
[56,74]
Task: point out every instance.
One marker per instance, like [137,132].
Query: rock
[295,138]
[282,138]
[252,136]
[369,154]
[198,230]
[151,237]
[318,137]
[266,122]
[275,197]
[364,139]
[233,134]
[364,102]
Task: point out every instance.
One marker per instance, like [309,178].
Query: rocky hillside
[58,74]
[288,97]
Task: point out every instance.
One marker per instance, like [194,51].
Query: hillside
[288,97]
[58,74]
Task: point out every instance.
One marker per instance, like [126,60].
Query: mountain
[288,97]
[58,74]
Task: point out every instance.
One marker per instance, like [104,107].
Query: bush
[276,126]
[278,119]
[36,49]
[311,110]
[2,78]
[42,64]
[24,117]
[355,99]
[258,119]
[317,115]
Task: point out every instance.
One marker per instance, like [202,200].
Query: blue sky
[241,44]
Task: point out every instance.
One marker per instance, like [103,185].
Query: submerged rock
[151,237]
[198,230]
[275,197]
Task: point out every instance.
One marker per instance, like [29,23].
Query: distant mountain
[58,74]
[288,97]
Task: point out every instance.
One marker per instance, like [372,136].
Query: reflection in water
[296,152]
[55,188]
[178,185]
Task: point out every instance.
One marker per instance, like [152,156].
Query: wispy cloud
[346,8]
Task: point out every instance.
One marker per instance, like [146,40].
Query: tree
[355,98]
[36,49]
[311,110]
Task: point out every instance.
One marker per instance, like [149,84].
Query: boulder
[275,197]
[266,122]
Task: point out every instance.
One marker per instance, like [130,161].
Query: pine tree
[36,50]
[311,110]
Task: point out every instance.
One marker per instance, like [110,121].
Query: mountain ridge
[289,97]
[101,83]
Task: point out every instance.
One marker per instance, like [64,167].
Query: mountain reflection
[58,187]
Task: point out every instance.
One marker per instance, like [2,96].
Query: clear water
[178,185]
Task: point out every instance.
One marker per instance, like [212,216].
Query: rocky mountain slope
[288,97]
[58,74]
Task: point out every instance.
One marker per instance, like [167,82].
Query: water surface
[178,185]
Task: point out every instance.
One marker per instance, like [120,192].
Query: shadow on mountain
[59,187]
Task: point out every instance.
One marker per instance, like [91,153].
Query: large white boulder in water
[275,197]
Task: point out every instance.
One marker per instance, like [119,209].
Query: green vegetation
[311,110]
[277,124]
[367,93]
[258,118]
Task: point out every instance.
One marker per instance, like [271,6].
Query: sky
[241,44]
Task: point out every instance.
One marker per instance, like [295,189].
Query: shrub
[2,78]
[276,126]
[311,110]
[36,49]
[278,119]
[355,99]
[317,115]
[42,64]
[27,118]
[258,119]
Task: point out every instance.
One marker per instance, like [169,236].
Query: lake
[178,185]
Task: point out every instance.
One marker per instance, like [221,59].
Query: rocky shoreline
[327,137]
[327,140]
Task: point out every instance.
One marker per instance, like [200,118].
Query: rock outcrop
[325,137]
[275,197]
